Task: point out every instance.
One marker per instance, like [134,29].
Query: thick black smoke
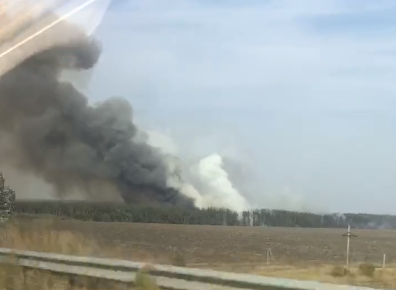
[55,134]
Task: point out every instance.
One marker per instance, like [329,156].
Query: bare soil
[304,254]
[220,244]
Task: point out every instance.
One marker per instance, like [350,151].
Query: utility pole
[383,261]
[269,252]
[349,235]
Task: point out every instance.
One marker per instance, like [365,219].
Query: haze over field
[276,104]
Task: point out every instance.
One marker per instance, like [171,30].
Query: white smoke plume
[208,186]
[217,189]
[225,179]
[204,180]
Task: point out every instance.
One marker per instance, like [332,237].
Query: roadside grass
[43,236]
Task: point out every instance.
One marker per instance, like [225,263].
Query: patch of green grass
[367,269]
[339,271]
[178,260]
[144,281]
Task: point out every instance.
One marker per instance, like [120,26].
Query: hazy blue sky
[302,92]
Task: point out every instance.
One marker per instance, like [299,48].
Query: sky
[300,93]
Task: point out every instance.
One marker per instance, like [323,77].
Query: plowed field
[218,244]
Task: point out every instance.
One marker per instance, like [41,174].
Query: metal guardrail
[168,277]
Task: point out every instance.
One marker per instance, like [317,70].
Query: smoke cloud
[216,187]
[225,179]
[204,180]
[207,183]
[53,142]
[48,128]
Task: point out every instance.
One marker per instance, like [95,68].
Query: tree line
[117,212]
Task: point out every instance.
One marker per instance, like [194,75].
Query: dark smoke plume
[53,132]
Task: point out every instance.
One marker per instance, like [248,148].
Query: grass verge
[42,236]
[360,275]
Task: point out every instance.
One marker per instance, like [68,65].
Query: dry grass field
[309,254]
[43,236]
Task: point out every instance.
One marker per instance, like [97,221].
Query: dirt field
[305,254]
[217,244]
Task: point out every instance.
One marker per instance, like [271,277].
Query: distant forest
[114,212]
